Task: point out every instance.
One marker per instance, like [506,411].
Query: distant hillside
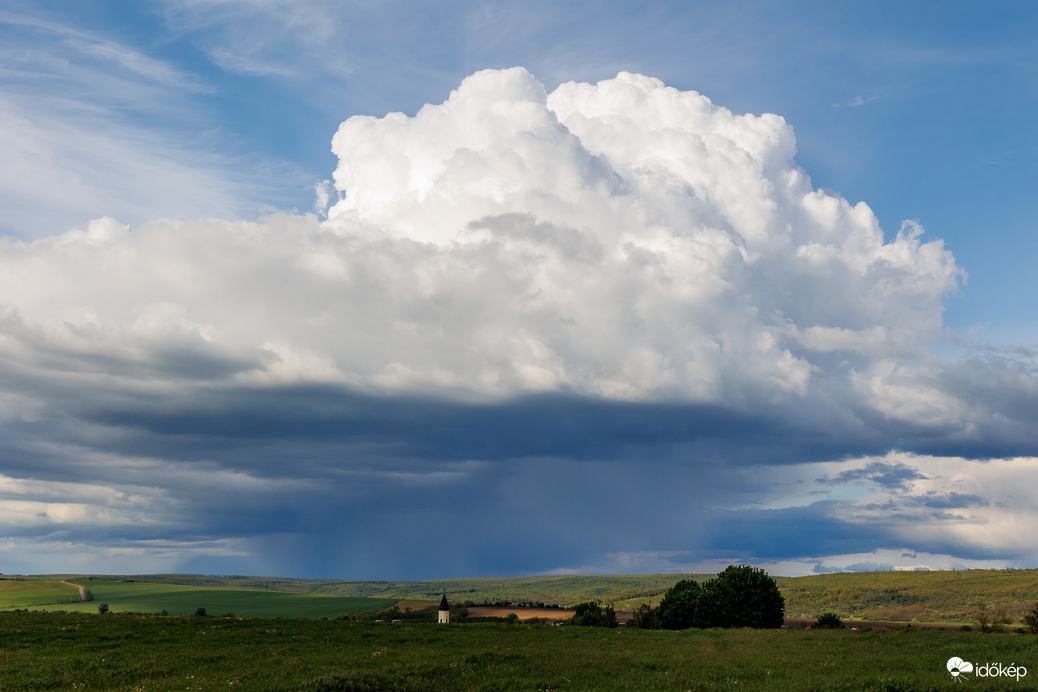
[908,596]
[552,590]
[893,596]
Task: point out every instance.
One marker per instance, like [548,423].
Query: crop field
[153,653]
[18,593]
[143,597]
[521,613]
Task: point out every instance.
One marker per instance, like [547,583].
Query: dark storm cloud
[779,534]
[526,485]
[575,427]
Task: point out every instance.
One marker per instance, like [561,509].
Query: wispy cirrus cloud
[85,44]
[111,129]
[856,102]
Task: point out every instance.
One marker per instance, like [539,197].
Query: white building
[444,614]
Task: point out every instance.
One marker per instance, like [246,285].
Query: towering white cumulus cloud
[621,239]
[628,239]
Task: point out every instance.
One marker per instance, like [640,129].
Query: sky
[407,290]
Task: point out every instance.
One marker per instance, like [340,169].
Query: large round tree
[744,596]
[740,596]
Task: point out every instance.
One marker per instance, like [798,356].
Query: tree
[739,596]
[982,617]
[102,608]
[744,596]
[682,606]
[609,617]
[200,612]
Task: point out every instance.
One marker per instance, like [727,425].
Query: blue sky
[577,317]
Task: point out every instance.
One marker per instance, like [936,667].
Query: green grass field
[185,600]
[19,593]
[40,651]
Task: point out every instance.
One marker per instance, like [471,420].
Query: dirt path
[82,591]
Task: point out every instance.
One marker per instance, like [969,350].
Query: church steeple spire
[444,614]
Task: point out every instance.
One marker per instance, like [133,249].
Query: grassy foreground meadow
[54,651]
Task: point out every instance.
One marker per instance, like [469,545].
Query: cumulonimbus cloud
[622,239]
[512,292]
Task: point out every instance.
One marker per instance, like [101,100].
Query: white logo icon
[956,666]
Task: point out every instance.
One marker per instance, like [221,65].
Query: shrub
[102,608]
[830,621]
[644,616]
[1001,621]
[1031,620]
[200,612]
[593,615]
[991,622]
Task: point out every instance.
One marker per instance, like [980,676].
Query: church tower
[444,614]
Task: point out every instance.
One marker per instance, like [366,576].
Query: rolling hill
[950,597]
